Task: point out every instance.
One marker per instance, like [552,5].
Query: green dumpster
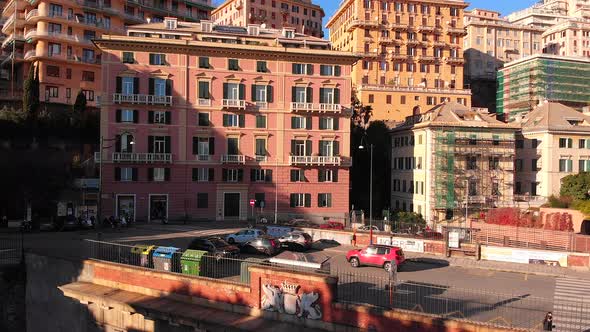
[190,262]
[244,273]
[142,255]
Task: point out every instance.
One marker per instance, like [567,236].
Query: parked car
[265,244]
[70,222]
[300,223]
[298,241]
[332,225]
[215,246]
[376,255]
[429,234]
[244,236]
[367,228]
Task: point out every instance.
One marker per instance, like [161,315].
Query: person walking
[548,322]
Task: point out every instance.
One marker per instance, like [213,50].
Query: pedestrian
[548,322]
[353,240]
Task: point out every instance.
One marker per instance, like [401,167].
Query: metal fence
[11,248]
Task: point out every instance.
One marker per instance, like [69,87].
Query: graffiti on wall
[286,299]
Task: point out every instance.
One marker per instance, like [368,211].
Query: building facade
[555,142]
[490,42]
[547,13]
[213,117]
[524,83]
[412,53]
[450,160]
[302,15]
[568,38]
[57,36]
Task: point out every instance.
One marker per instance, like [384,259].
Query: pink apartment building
[204,118]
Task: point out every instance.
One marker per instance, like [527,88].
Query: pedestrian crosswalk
[571,305]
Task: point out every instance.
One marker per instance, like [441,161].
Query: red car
[376,255]
[333,225]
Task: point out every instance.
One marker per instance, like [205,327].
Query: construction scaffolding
[523,84]
[473,170]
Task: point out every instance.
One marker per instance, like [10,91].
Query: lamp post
[361,147]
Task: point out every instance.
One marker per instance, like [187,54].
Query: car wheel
[231,240]
[387,266]
[354,262]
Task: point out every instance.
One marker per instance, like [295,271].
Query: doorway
[126,207]
[231,205]
[158,207]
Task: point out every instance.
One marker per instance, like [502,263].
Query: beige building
[302,15]
[412,53]
[547,13]
[449,159]
[555,142]
[568,38]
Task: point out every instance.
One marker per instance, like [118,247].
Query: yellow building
[412,53]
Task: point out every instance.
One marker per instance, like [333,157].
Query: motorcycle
[26,226]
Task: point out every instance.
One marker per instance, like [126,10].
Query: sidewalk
[471,263]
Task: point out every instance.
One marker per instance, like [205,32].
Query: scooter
[26,226]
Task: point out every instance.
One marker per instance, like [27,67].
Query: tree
[576,186]
[31,92]
[80,103]
[361,114]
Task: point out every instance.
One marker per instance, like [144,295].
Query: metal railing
[11,248]
[204,102]
[142,99]
[233,159]
[203,157]
[238,103]
[133,157]
[310,107]
[314,160]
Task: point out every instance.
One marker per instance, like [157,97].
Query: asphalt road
[506,298]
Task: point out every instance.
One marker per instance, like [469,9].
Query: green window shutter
[292,200]
[307,200]
[224,175]
[150,144]
[294,68]
[252,175]
[336,148]
[195,174]
[269,94]
[322,123]
[135,116]
[321,175]
[211,174]
[329,199]
[211,146]
[242,92]
[308,123]
[309,69]
[151,86]
[293,122]
[268,175]
[336,123]
[337,70]
[253,92]
[335,175]
[308,148]
[336,96]
[167,174]
[117,173]
[195,145]
[168,87]
[225,90]
[240,175]
[119,88]
[293,146]
[322,92]
[309,94]
[118,116]
[135,85]
[226,120]
[150,116]
[293,94]
[242,119]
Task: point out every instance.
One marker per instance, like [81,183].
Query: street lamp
[362,147]
[102,148]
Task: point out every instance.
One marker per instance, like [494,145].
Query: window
[234,91]
[127,116]
[261,67]
[125,174]
[234,120]
[584,165]
[159,174]
[87,76]
[159,86]
[300,200]
[261,93]
[233,64]
[300,122]
[203,119]
[298,175]
[68,93]
[259,199]
[329,148]
[260,147]
[534,165]
[329,96]
[53,49]
[261,175]
[324,200]
[565,165]
[565,143]
[204,92]
[157,59]
[204,62]
[302,69]
[69,73]
[472,188]
[471,162]
[328,175]
[494,163]
[519,143]
[51,92]
[89,94]
[202,200]
[328,70]
[232,175]
[403,100]
[260,121]
[518,165]
[203,174]
[328,123]
[128,86]
[53,71]
[430,100]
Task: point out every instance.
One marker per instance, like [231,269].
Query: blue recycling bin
[167,259]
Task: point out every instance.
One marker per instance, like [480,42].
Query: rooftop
[544,56]
[555,116]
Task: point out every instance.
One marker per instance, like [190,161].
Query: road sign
[453,239]
[252,202]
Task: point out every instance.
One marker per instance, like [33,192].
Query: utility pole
[13,50]
[276,187]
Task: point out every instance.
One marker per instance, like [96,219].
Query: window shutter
[118,116]
[335,175]
[309,69]
[151,86]
[581,165]
[211,174]
[167,148]
[293,200]
[240,175]
[293,94]
[268,175]
[336,123]
[293,68]
[195,145]
[136,85]
[269,94]
[322,92]
[307,200]
[309,94]
[168,117]
[336,96]
[163,57]
[336,148]
[337,70]
[321,175]
[167,174]
[135,116]
[168,87]
[150,116]
[308,148]
[211,146]
[117,173]
[195,174]
[225,90]
[134,173]
[308,122]
[253,91]
[329,199]
[150,144]
[242,92]
[226,120]
[293,146]
[224,175]
[119,87]
[252,175]
[118,143]
[150,174]
[152,59]
[242,118]
[293,123]
[293,175]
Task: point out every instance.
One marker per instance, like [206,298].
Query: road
[476,294]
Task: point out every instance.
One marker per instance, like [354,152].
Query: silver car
[298,241]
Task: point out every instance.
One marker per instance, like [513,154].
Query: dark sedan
[215,246]
[298,241]
[266,245]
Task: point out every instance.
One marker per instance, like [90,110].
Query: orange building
[58,34]
[302,15]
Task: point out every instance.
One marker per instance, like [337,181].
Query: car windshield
[218,243]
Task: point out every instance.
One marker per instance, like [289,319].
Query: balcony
[426,28]
[120,98]
[9,39]
[398,26]
[456,31]
[234,103]
[367,54]
[314,160]
[386,40]
[397,56]
[204,102]
[261,105]
[148,158]
[439,43]
[455,60]
[413,89]
[261,159]
[203,157]
[426,58]
[233,159]
[310,107]
[30,54]
[361,23]
[412,42]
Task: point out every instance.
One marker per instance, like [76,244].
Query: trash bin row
[169,259]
